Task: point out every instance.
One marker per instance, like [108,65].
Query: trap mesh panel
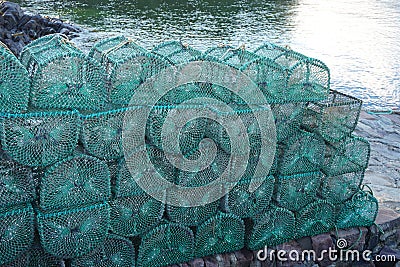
[16,183]
[115,251]
[360,210]
[303,152]
[14,83]
[288,117]
[16,232]
[101,133]
[100,48]
[185,92]
[339,188]
[73,182]
[127,65]
[218,53]
[308,79]
[270,51]
[349,155]
[62,77]
[242,203]
[190,135]
[177,52]
[74,232]
[40,139]
[269,76]
[317,218]
[131,216]
[333,118]
[296,191]
[270,229]
[36,257]
[39,44]
[194,215]
[221,233]
[126,184]
[166,244]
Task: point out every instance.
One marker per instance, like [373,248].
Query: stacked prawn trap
[68,197]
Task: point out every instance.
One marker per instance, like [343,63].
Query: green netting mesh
[115,251]
[177,52]
[302,152]
[26,55]
[132,216]
[190,135]
[218,53]
[220,233]
[101,133]
[99,49]
[307,79]
[334,118]
[194,215]
[16,183]
[288,117]
[73,182]
[349,155]
[360,210]
[271,228]
[36,257]
[271,51]
[74,232]
[62,77]
[166,244]
[16,232]
[296,191]
[14,82]
[126,182]
[40,139]
[317,218]
[339,188]
[127,65]
[241,202]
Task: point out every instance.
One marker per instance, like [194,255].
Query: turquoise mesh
[288,117]
[307,79]
[269,76]
[74,232]
[334,118]
[99,50]
[36,257]
[219,234]
[317,218]
[16,232]
[242,203]
[360,210]
[101,133]
[219,53]
[74,182]
[135,215]
[26,56]
[177,52]
[14,82]
[62,77]
[296,191]
[339,188]
[349,155]
[190,135]
[16,183]
[271,228]
[115,251]
[302,152]
[166,244]
[127,65]
[126,184]
[40,139]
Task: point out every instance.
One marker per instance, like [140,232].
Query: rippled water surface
[357,39]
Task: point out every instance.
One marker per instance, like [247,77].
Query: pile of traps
[70,195]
